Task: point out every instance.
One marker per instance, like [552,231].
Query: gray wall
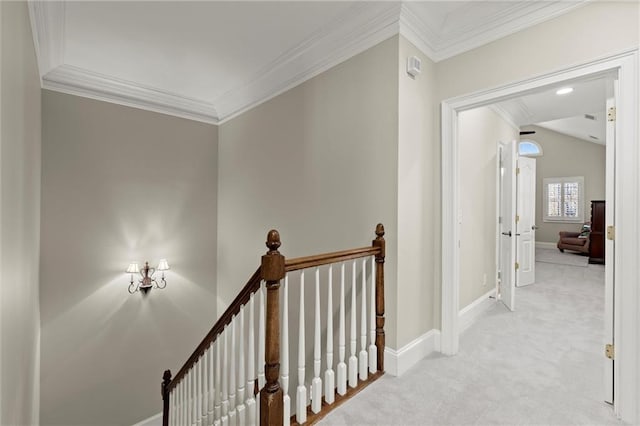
[567,156]
[418,240]
[19,218]
[479,131]
[121,184]
[318,163]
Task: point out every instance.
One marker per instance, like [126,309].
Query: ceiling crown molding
[47,25]
[448,43]
[81,82]
[364,26]
[417,31]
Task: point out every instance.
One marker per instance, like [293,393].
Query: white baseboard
[542,244]
[397,362]
[151,421]
[470,313]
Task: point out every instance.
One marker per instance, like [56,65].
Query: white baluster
[194,396]
[189,398]
[301,395]
[241,409]
[363,356]
[198,390]
[373,351]
[205,386]
[217,407]
[329,379]
[211,400]
[172,407]
[261,340]
[251,369]
[179,420]
[342,367]
[316,383]
[284,359]
[232,374]
[353,360]
[225,379]
[261,346]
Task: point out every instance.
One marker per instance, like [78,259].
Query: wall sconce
[147,281]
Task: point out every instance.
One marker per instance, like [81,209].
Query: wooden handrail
[328,258]
[242,298]
[272,270]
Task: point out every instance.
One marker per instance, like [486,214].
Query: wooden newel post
[379,242]
[272,269]
[166,379]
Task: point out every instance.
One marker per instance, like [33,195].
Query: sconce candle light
[148,281]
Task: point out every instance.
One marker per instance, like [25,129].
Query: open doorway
[624,211]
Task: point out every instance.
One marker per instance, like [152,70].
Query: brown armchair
[572,240]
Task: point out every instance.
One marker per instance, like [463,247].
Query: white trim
[546,245]
[89,84]
[512,20]
[416,31]
[47,26]
[397,362]
[627,269]
[151,421]
[364,26]
[470,313]
[505,115]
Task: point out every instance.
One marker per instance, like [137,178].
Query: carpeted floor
[540,365]
[553,255]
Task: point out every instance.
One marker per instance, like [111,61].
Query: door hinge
[611,114]
[517,266]
[499,219]
[517,218]
[611,232]
[517,170]
[610,351]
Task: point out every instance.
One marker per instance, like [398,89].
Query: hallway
[539,365]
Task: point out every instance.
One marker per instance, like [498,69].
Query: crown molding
[364,26]
[89,84]
[417,31]
[47,26]
[516,18]
[504,114]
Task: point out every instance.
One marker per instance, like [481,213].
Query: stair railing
[219,382]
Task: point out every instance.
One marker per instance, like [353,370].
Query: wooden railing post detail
[380,243]
[166,378]
[272,270]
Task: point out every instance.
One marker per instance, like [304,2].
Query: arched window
[529,148]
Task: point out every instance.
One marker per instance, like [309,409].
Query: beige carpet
[557,257]
[540,365]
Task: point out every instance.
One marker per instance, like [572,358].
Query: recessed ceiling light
[564,91]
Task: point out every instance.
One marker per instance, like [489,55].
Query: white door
[525,221]
[609,247]
[507,153]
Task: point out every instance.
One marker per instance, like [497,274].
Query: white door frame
[627,211]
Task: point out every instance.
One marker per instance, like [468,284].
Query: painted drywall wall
[567,156]
[318,163]
[121,184]
[19,218]
[479,131]
[593,31]
[596,30]
[418,241]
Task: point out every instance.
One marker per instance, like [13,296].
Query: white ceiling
[564,113]
[210,61]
